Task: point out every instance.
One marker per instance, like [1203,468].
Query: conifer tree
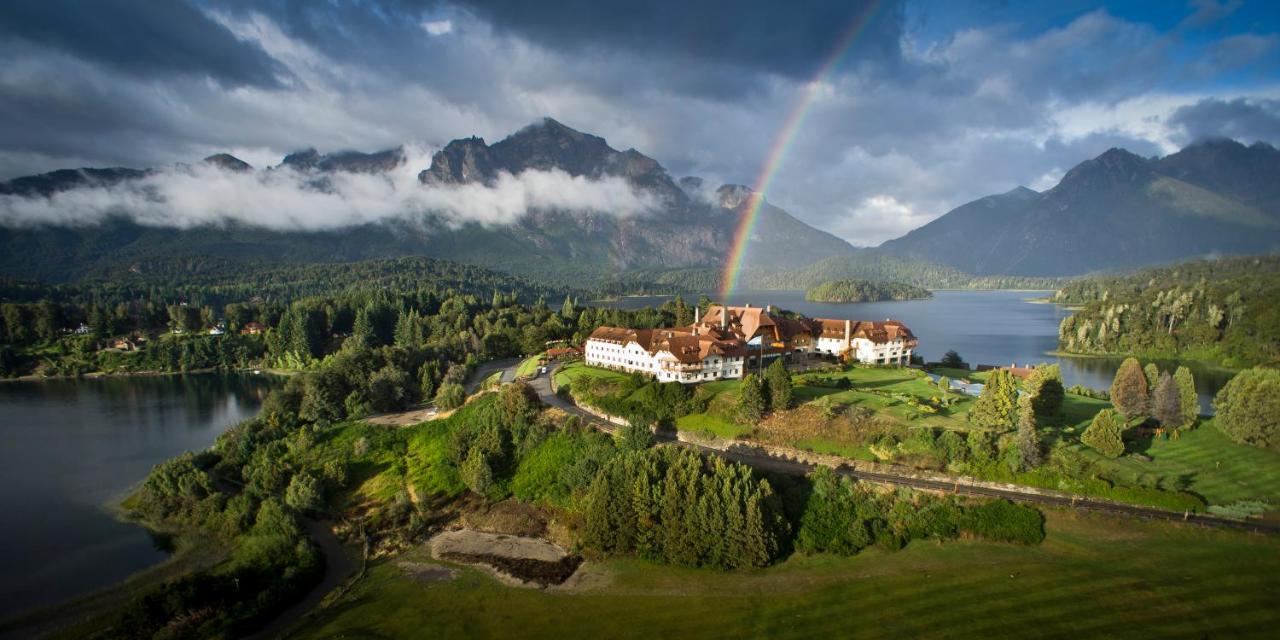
[1189,401]
[1152,373]
[1166,403]
[1129,391]
[1104,433]
[779,381]
[1044,385]
[752,404]
[996,405]
[566,309]
[1029,454]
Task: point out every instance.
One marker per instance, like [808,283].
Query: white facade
[865,351]
[663,365]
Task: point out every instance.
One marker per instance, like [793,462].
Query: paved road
[506,365]
[338,567]
[760,460]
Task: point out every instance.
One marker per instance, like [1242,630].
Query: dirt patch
[539,572]
[427,571]
[514,560]
[848,426]
[509,517]
[405,418]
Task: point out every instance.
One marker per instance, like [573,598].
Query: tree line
[1223,311]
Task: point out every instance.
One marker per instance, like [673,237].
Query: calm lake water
[70,448]
[984,327]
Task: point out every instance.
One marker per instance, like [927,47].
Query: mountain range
[689,226]
[1117,210]
[1114,211]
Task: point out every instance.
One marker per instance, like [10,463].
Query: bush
[450,396]
[1003,521]
[1249,408]
[1103,434]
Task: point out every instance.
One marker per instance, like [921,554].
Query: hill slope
[1114,211]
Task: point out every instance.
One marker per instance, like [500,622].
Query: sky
[934,103]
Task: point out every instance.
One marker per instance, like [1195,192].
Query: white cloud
[283,198]
[878,218]
[438,27]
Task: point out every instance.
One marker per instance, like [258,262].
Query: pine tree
[1189,401]
[566,309]
[779,381]
[1029,454]
[996,405]
[1104,433]
[362,330]
[1047,393]
[752,404]
[1166,403]
[681,311]
[1129,391]
[1152,373]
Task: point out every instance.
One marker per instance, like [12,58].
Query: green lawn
[716,425]
[1206,462]
[529,367]
[1093,576]
[576,370]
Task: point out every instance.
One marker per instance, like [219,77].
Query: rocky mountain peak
[461,161]
[304,159]
[1114,168]
[732,196]
[349,161]
[228,162]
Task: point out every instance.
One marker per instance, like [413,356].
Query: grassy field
[576,370]
[1204,461]
[716,425]
[1092,577]
[529,366]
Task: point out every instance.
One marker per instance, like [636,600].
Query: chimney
[696,312]
[747,305]
[768,308]
[848,330]
[724,317]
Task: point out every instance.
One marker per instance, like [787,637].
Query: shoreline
[1213,366]
[94,375]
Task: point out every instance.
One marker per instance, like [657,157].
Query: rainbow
[781,145]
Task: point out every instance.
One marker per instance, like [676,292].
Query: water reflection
[70,447]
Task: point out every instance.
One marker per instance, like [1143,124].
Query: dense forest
[863,291]
[173,319]
[1224,311]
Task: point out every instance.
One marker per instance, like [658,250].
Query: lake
[984,327]
[71,448]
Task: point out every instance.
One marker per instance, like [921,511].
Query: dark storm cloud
[1242,119]
[779,37]
[909,125]
[142,38]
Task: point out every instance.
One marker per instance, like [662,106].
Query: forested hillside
[1223,311]
[863,291]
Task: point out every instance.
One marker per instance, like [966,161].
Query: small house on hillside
[562,352]
[253,328]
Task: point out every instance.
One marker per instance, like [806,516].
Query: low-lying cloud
[287,199]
